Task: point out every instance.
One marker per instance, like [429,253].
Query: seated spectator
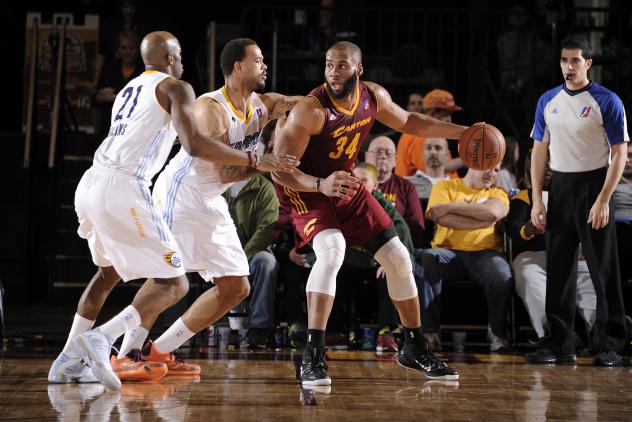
[440,105]
[399,191]
[623,217]
[466,246]
[360,261]
[415,102]
[436,155]
[116,73]
[508,175]
[254,208]
[529,265]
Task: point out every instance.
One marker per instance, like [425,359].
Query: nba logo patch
[585,111]
[259,112]
[366,104]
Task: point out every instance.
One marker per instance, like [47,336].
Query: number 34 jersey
[141,132]
[337,146]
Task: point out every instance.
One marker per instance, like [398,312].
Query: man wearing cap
[440,105]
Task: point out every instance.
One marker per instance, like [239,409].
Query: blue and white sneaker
[66,369]
[95,349]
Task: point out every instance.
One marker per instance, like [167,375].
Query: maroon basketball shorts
[359,219]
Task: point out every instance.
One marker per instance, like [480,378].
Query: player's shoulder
[173,86]
[309,105]
[376,89]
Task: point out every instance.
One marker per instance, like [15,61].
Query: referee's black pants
[571,195]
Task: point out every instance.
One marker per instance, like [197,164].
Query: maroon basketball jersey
[336,147]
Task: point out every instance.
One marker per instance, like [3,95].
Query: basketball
[482,146]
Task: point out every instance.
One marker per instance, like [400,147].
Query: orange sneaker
[135,368]
[175,363]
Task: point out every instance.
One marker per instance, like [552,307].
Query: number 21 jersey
[141,132]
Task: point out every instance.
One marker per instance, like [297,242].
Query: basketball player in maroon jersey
[325,130]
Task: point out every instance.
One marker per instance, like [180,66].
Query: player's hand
[297,258]
[538,215]
[599,215]
[273,162]
[340,184]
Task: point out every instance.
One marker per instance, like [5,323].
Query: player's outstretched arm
[278,104]
[416,124]
[182,100]
[292,137]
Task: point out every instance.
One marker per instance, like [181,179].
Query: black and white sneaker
[313,367]
[424,361]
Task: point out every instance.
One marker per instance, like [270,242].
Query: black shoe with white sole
[423,360]
[313,367]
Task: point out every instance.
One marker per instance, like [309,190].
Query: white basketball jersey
[243,135]
[141,133]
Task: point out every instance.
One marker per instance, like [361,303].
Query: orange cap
[438,98]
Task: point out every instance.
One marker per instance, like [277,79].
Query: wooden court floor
[260,386]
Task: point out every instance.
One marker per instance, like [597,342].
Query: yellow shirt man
[463,234]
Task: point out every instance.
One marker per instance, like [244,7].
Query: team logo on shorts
[309,227]
[172,258]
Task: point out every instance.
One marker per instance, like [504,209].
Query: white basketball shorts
[123,228]
[203,229]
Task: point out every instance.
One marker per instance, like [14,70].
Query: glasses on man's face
[381,151]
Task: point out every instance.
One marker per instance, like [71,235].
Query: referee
[583,126]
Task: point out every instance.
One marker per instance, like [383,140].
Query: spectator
[436,155]
[399,191]
[116,73]
[415,102]
[466,245]
[254,208]
[623,217]
[124,19]
[508,175]
[440,105]
[529,265]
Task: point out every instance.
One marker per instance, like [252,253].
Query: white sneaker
[65,370]
[95,349]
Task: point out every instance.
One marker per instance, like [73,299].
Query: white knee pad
[329,246]
[395,259]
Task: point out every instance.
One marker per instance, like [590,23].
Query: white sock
[134,339]
[79,325]
[173,338]
[117,326]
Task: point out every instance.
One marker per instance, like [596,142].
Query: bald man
[399,191]
[128,238]
[436,154]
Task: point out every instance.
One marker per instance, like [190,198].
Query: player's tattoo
[282,107]
[230,173]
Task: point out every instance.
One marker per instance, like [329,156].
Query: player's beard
[347,87]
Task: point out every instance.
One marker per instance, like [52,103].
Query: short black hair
[350,47]
[233,51]
[575,42]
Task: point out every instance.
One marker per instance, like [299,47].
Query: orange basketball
[482,146]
